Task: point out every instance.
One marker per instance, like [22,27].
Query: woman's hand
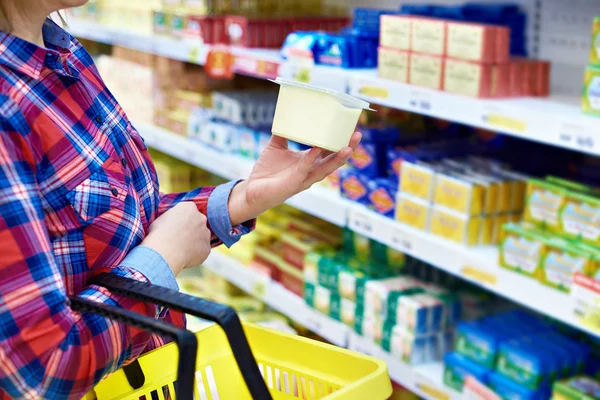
[280,173]
[181,236]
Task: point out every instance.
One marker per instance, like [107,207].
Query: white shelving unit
[475,264]
[558,122]
[424,380]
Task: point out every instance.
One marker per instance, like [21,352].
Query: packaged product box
[480,343]
[357,245]
[377,292]
[353,186]
[543,203]
[413,211]
[459,192]
[297,245]
[590,102]
[541,87]
[499,220]
[351,284]
[317,297]
[407,346]
[389,256]
[311,266]
[368,325]
[508,389]
[186,101]
[266,261]
[595,49]
[342,310]
[248,142]
[420,313]
[393,311]
[417,179]
[427,70]
[395,32]
[161,118]
[290,277]
[562,261]
[454,226]
[178,122]
[523,250]
[577,388]
[476,42]
[476,79]
[457,368]
[393,64]
[382,196]
[579,217]
[428,36]
[526,364]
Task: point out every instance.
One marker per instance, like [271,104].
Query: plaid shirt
[78,192]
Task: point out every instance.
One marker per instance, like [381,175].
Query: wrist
[171,256]
[240,210]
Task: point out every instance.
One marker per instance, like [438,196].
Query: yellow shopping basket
[223,367]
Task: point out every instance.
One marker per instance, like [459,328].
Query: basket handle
[186,340]
[223,315]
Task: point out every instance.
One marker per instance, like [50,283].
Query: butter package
[413,211]
[312,263]
[368,325]
[393,64]
[454,226]
[428,36]
[420,313]
[595,48]
[459,192]
[457,367]
[377,292]
[353,186]
[563,260]
[427,70]
[590,101]
[395,32]
[476,79]
[543,203]
[577,388]
[477,42]
[580,217]
[417,179]
[522,250]
[506,388]
[342,310]
[317,297]
[382,196]
[409,347]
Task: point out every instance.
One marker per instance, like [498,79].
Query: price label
[303,75]
[259,289]
[420,101]
[194,54]
[362,345]
[402,241]
[219,63]
[504,122]
[361,223]
[585,294]
[575,136]
[313,323]
[432,391]
[479,275]
[374,91]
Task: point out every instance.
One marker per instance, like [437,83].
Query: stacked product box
[465,200]
[590,102]
[464,58]
[560,236]
[577,388]
[515,353]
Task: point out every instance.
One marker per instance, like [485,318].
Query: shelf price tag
[360,222]
[402,241]
[314,323]
[585,294]
[479,275]
[219,63]
[432,391]
[575,136]
[373,91]
[420,101]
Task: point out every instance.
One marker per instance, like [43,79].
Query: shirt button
[124,162]
[114,192]
[99,118]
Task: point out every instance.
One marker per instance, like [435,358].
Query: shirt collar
[28,58]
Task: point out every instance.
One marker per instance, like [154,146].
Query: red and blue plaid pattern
[78,191]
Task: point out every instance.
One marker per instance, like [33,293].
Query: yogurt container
[316,116]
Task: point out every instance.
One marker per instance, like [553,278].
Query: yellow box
[499,221]
[459,193]
[580,217]
[517,190]
[412,211]
[486,232]
[562,260]
[523,250]
[595,50]
[393,64]
[417,179]
[428,36]
[453,226]
[395,32]
[426,70]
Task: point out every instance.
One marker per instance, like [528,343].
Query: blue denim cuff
[218,215]
[152,265]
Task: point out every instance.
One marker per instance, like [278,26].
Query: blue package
[348,50]
[457,367]
[478,342]
[382,196]
[579,351]
[368,19]
[299,41]
[366,159]
[353,185]
[393,162]
[526,363]
[508,389]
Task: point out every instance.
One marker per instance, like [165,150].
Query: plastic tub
[315,116]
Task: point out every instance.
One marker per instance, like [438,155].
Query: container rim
[345,99]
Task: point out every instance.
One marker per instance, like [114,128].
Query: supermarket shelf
[476,264]
[425,380]
[549,121]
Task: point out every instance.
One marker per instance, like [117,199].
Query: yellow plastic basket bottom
[293,368]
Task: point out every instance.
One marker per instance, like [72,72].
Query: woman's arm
[46,349]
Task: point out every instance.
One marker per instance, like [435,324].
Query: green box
[595,49]
[577,388]
[590,100]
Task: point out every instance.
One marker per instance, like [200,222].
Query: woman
[79,196]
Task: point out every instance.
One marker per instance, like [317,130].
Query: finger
[278,142]
[327,167]
[308,160]
[355,140]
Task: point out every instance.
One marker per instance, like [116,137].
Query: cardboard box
[394,64]
[395,32]
[427,71]
[428,36]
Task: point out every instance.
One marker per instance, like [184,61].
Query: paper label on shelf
[575,136]
[259,287]
[498,118]
[373,91]
[431,391]
[585,295]
[420,101]
[480,275]
[360,222]
[402,240]
[366,346]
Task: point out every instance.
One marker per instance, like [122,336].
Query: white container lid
[344,99]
